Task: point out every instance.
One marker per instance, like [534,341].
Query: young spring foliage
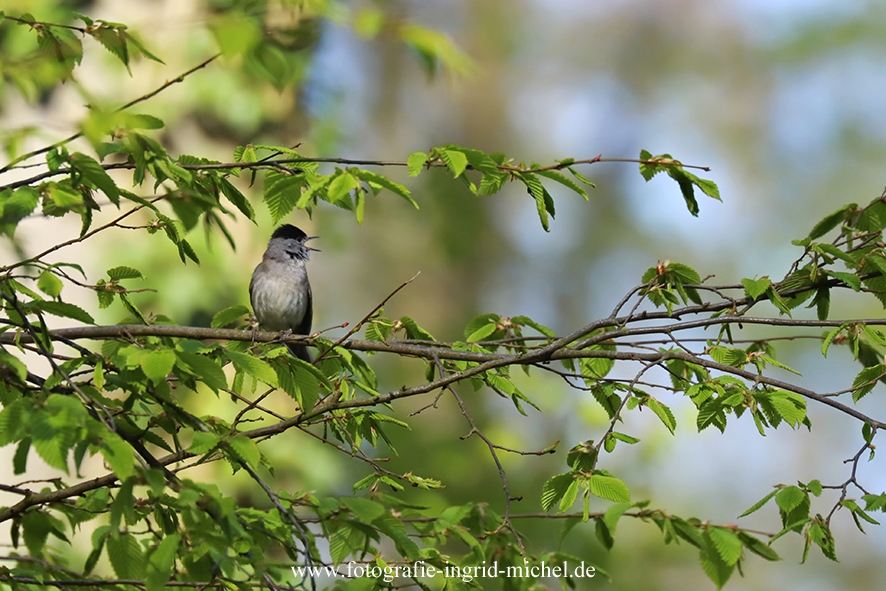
[124,394]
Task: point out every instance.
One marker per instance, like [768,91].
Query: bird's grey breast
[280,293]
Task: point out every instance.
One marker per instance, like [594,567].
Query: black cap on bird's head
[290,232]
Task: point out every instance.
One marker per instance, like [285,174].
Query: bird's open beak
[308,247]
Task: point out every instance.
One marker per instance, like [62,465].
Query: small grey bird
[280,292]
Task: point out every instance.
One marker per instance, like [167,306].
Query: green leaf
[118,273]
[850,279]
[118,454]
[663,413]
[481,333]
[715,567]
[257,368]
[790,497]
[157,364]
[416,162]
[455,161]
[126,557]
[143,121]
[829,338]
[203,442]
[832,221]
[609,488]
[204,368]
[414,331]
[65,310]
[246,449]
[565,181]
[649,169]
[37,526]
[613,514]
[865,381]
[569,497]
[234,195]
[727,544]
[479,322]
[754,288]
[554,489]
[527,321]
[281,193]
[384,182]
[544,203]
[757,547]
[342,183]
[309,380]
[759,504]
[161,562]
[92,173]
[19,205]
[366,510]
[49,284]
[229,316]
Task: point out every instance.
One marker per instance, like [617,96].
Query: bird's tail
[300,351]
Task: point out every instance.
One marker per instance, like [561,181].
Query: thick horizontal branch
[441,350]
[559,349]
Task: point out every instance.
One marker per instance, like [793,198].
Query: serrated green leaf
[759,504]
[554,489]
[829,338]
[481,333]
[831,221]
[228,316]
[309,381]
[663,413]
[383,181]
[416,162]
[455,161]
[126,557]
[95,176]
[850,279]
[203,442]
[246,449]
[234,195]
[281,193]
[204,368]
[727,544]
[366,510]
[341,184]
[790,497]
[543,202]
[65,310]
[118,273]
[49,284]
[649,169]
[257,368]
[609,488]
[477,323]
[565,181]
[157,364]
[161,562]
[757,547]
[118,454]
[754,288]
[865,381]
[143,121]
[569,497]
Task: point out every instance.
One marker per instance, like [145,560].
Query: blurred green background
[781,99]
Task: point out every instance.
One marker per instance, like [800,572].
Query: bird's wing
[304,326]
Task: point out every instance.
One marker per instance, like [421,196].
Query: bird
[279,291]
